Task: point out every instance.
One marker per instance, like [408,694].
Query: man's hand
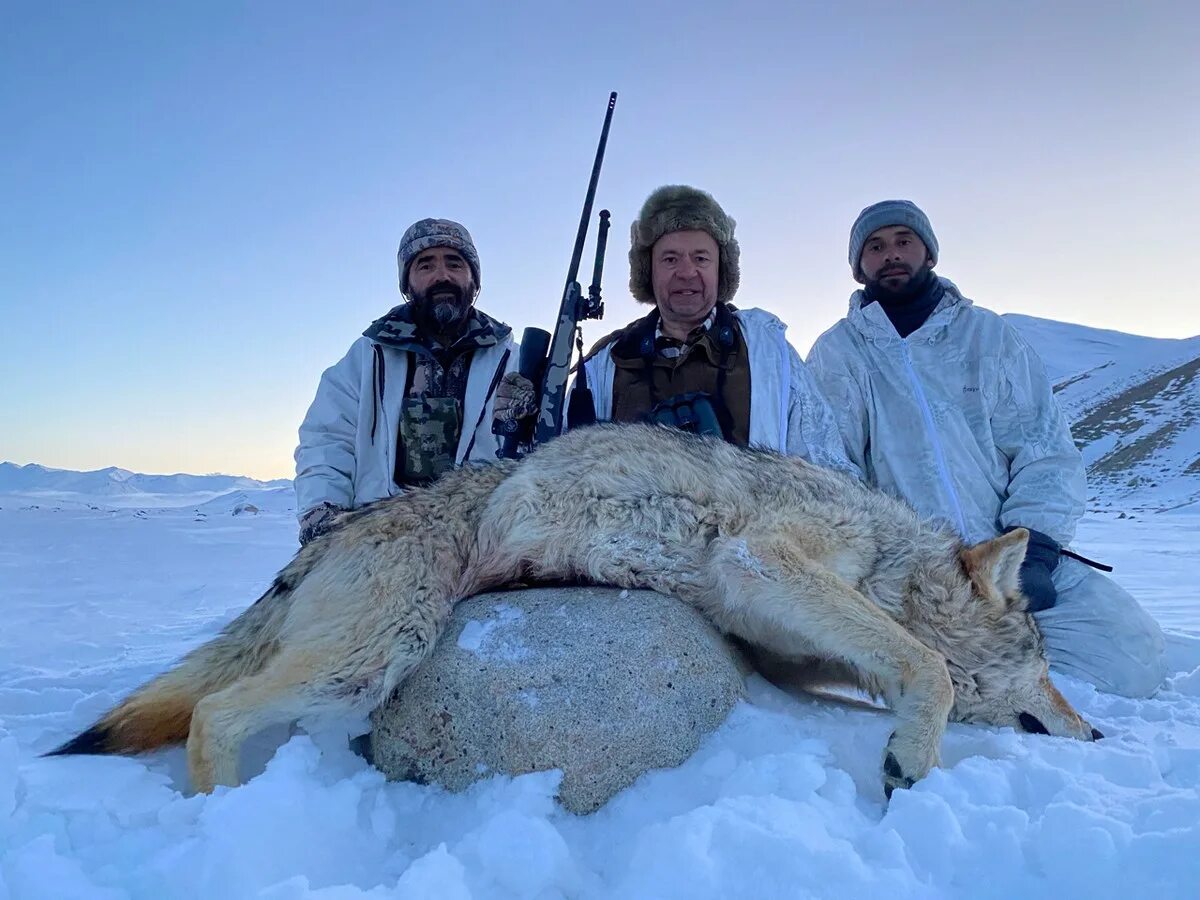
[318,520]
[516,398]
[1041,559]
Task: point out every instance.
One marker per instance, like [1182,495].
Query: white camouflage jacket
[959,418]
[347,450]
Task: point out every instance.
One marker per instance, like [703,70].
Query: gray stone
[601,683]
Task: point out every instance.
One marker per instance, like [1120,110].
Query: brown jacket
[713,361]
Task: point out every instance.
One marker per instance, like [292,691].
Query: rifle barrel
[586,216]
[553,389]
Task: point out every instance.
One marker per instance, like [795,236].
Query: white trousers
[1099,633]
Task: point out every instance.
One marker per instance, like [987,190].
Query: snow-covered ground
[783,801]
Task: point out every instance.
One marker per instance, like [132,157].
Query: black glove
[1041,559]
[318,520]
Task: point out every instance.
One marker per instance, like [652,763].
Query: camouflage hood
[396,329]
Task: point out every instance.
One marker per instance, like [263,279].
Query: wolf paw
[893,776]
[898,774]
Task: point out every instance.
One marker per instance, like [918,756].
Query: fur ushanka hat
[677,207]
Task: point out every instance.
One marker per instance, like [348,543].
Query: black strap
[581,408]
[1087,562]
[496,376]
[377,376]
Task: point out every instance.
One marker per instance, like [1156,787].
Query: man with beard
[413,397]
[943,403]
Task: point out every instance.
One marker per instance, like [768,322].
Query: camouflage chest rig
[433,407]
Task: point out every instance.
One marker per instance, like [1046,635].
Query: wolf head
[994,650]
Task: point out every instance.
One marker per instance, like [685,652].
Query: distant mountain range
[1133,403]
[120,488]
[1134,407]
[114,481]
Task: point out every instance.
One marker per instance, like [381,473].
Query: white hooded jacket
[347,450]
[958,418]
[787,411]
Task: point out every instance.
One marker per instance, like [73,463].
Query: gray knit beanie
[881,215]
[677,207]
[435,233]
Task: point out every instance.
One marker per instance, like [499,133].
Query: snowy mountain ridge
[1134,407]
[112,480]
[1089,366]
[1133,403]
[117,488]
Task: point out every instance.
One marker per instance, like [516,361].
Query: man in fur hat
[695,360]
[413,397]
[943,403]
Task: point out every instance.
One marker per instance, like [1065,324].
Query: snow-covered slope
[1134,407]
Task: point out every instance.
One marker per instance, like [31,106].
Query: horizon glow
[202,204]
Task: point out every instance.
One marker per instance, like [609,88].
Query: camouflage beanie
[435,233]
[677,207]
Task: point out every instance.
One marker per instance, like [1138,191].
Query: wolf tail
[159,713]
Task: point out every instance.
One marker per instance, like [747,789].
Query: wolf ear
[994,566]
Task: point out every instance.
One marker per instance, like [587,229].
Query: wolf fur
[802,562]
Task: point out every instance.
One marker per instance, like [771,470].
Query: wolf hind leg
[771,595]
[295,685]
[282,693]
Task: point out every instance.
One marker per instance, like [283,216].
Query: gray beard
[446,314]
[443,317]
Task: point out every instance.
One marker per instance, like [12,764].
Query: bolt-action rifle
[546,360]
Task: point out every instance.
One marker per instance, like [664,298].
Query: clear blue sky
[200,202]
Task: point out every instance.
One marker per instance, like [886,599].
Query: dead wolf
[800,561]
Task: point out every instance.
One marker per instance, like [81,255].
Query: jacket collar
[872,322]
[396,329]
[641,339]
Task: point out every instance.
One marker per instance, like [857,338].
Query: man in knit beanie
[943,403]
[695,361]
[892,253]
[413,397]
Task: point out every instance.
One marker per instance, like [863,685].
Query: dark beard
[444,315]
[916,285]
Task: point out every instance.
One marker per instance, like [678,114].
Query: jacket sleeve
[812,429]
[325,461]
[846,400]
[1047,483]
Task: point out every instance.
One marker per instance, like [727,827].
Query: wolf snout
[1033,725]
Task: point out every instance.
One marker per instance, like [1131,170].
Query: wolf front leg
[770,594]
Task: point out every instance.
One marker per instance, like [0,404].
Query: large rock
[601,683]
